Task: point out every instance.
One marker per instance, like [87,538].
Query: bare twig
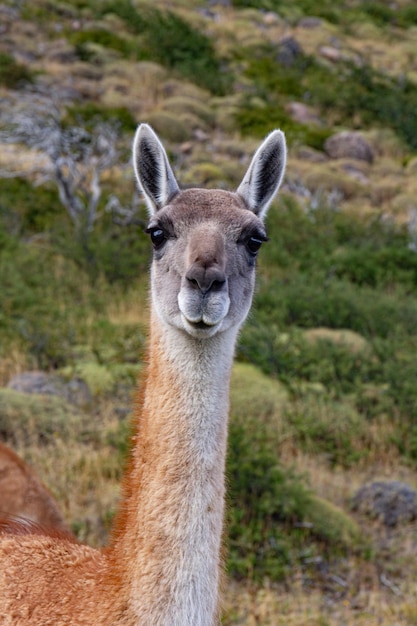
[76,157]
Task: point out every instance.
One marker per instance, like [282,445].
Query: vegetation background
[324,392]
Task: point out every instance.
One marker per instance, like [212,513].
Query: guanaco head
[205,241]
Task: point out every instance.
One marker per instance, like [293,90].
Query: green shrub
[121,254]
[373,98]
[39,311]
[101,36]
[120,439]
[12,74]
[328,427]
[347,91]
[400,371]
[292,359]
[262,496]
[28,319]
[314,301]
[26,210]
[258,121]
[89,114]
[331,524]
[345,13]
[389,265]
[271,512]
[168,39]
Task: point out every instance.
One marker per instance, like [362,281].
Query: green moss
[331,524]
[256,395]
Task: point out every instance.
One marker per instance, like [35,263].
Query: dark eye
[157,236]
[253,244]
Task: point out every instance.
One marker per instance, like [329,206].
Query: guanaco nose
[206,276]
[207,261]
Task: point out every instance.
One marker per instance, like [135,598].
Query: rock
[200,135]
[310,22]
[37,382]
[75,391]
[289,50]
[331,54]
[39,419]
[305,153]
[349,144]
[302,113]
[78,393]
[271,18]
[390,502]
[356,173]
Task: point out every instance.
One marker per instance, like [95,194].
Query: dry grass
[272,607]
[13,363]
[133,308]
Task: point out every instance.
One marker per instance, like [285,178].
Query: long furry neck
[167,547]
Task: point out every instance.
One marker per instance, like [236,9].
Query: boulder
[303,114]
[289,50]
[390,502]
[75,391]
[349,145]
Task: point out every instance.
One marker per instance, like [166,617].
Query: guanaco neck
[167,547]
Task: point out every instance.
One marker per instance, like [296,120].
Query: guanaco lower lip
[200,325]
[200,329]
[198,322]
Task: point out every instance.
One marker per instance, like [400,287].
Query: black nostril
[193,281]
[205,279]
[217,285]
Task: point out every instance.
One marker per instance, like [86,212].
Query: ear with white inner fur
[153,171]
[265,173]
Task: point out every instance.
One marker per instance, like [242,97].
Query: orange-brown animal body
[23,494]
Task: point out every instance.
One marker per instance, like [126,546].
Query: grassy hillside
[324,393]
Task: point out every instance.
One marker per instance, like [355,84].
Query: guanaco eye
[157,236]
[253,244]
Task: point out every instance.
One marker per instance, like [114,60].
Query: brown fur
[22,493]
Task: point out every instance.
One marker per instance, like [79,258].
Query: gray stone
[75,391]
[390,502]
[349,145]
[288,51]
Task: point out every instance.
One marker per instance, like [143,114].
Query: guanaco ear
[153,171]
[265,173]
